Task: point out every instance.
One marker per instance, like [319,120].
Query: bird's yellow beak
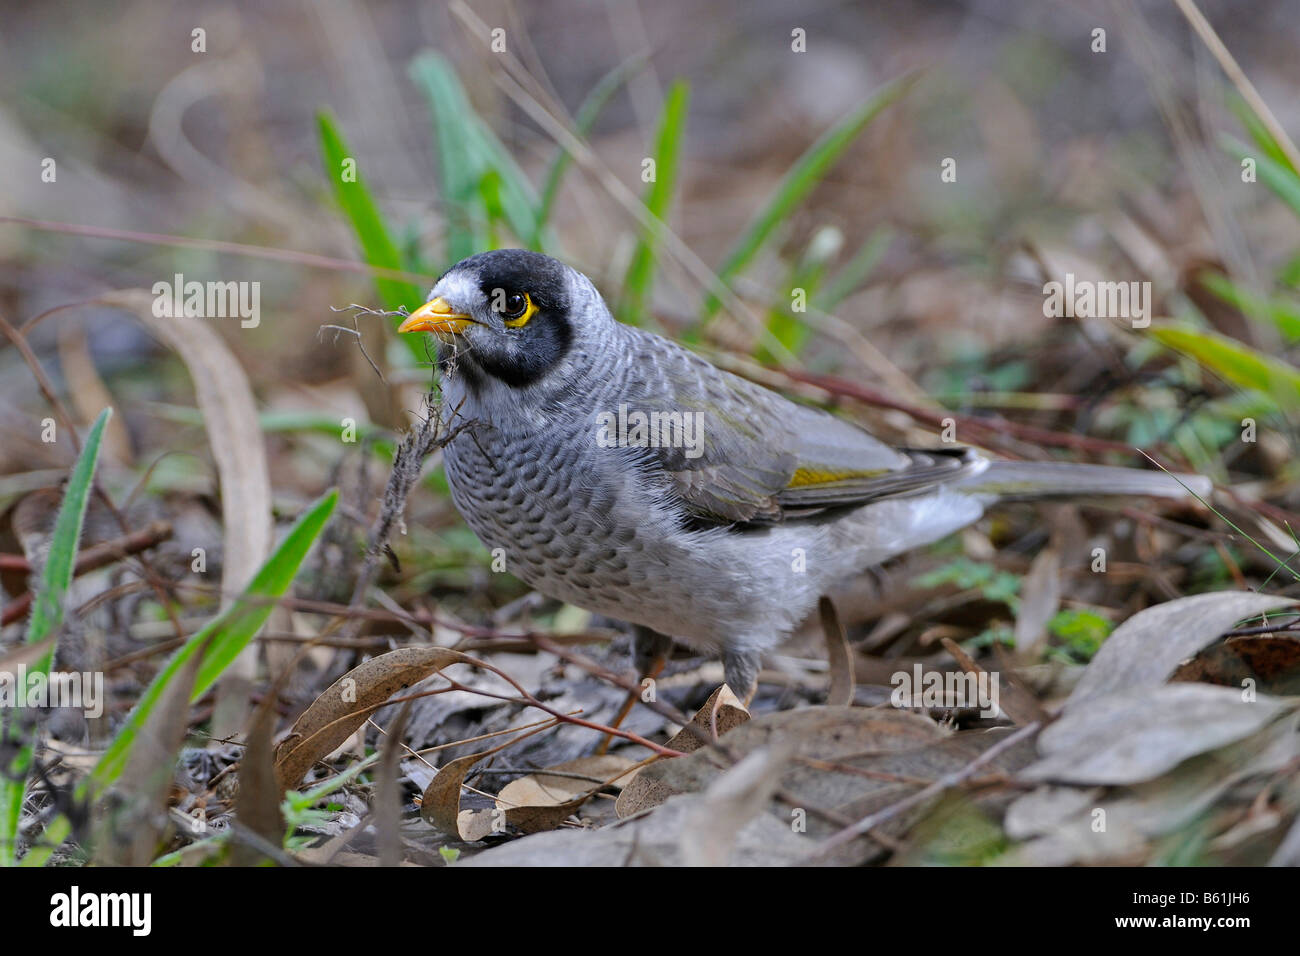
[436,316]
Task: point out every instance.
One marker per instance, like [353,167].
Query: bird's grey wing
[758,457]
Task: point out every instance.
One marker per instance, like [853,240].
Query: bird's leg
[741,671]
[650,651]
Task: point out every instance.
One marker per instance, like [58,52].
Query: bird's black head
[507,314]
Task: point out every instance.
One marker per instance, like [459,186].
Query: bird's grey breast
[562,510]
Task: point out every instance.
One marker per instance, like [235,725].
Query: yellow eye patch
[522,319]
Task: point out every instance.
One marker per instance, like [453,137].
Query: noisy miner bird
[624,474]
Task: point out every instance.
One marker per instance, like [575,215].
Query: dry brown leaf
[1040,598]
[440,805]
[344,706]
[545,789]
[838,653]
[388,794]
[1271,662]
[257,806]
[650,840]
[1146,648]
[847,761]
[89,394]
[713,824]
[1143,732]
[723,711]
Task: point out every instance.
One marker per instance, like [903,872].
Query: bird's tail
[1012,480]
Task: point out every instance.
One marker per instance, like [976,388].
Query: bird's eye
[516,308]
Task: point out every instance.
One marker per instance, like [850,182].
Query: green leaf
[467,151]
[786,327]
[219,642]
[354,198]
[659,196]
[1259,132]
[806,173]
[1283,314]
[373,236]
[47,610]
[222,638]
[1275,175]
[1235,362]
[1081,629]
[46,619]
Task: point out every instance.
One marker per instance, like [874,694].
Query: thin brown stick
[945,782]
[216,245]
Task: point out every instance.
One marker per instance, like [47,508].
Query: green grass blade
[373,236]
[449,110]
[1259,132]
[588,112]
[806,173]
[658,198]
[358,205]
[788,328]
[47,610]
[1275,175]
[1235,362]
[1282,314]
[47,617]
[468,151]
[222,638]
[514,195]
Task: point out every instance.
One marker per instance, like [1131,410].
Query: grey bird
[622,473]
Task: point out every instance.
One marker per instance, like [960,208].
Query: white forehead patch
[460,288]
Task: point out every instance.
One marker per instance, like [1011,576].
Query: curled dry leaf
[1040,598]
[344,706]
[838,653]
[226,400]
[532,806]
[1146,648]
[89,394]
[722,712]
[257,805]
[547,788]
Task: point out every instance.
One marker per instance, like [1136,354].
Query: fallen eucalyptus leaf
[344,706]
[1142,732]
[1145,649]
